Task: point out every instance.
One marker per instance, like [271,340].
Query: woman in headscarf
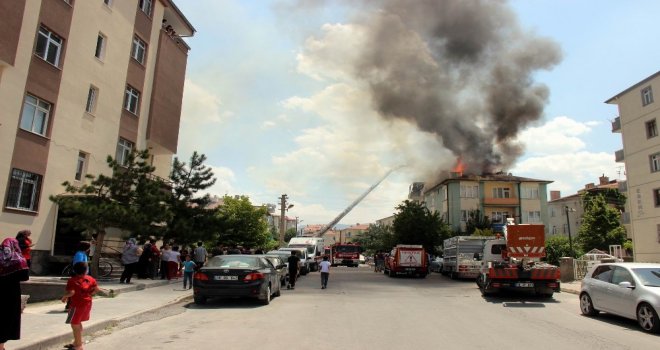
[13,270]
[130,258]
[25,243]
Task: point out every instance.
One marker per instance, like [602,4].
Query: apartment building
[349,234]
[498,196]
[637,123]
[81,80]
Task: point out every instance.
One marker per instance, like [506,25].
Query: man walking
[294,262]
[325,272]
[200,255]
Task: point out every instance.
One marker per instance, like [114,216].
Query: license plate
[226,278]
[525,284]
[411,269]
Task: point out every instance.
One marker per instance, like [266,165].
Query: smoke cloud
[461,70]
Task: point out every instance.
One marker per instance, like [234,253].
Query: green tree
[415,224]
[191,220]
[243,224]
[600,226]
[477,222]
[557,247]
[377,237]
[290,233]
[131,199]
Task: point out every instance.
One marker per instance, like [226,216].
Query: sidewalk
[43,327]
[571,287]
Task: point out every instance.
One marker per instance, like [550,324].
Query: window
[499,217]
[92,95]
[138,49]
[35,115]
[647,96]
[651,129]
[145,6]
[603,273]
[469,191]
[532,216]
[49,46]
[529,192]
[501,192]
[100,46]
[24,188]
[124,149]
[622,275]
[656,197]
[655,162]
[131,100]
[81,165]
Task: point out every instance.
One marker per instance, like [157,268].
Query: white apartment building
[637,122]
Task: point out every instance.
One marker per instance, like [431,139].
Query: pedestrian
[130,257]
[200,255]
[13,270]
[173,257]
[79,290]
[294,262]
[164,256]
[25,243]
[79,257]
[155,260]
[325,272]
[188,269]
[144,262]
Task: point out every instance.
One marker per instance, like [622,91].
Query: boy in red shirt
[80,288]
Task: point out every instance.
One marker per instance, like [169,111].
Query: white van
[304,258]
[314,247]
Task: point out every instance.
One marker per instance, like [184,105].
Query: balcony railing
[501,201]
[616,124]
[618,156]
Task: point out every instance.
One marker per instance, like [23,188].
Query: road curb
[94,327]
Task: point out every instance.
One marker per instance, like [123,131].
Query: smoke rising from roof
[462,70]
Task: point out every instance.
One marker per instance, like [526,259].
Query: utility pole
[282,222]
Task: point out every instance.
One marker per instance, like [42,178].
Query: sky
[320,99]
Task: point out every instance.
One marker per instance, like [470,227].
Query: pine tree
[600,226]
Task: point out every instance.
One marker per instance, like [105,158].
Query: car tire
[199,300]
[587,306]
[647,318]
[266,297]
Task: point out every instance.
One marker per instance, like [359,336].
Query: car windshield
[650,276]
[347,249]
[233,261]
[310,248]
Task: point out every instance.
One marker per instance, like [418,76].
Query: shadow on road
[226,303]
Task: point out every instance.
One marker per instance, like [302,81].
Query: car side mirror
[626,284]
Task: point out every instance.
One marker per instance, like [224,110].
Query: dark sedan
[281,267]
[227,276]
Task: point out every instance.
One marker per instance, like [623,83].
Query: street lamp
[568,226]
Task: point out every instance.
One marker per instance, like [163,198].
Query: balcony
[618,156]
[501,201]
[616,125]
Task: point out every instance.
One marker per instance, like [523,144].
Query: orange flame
[459,167]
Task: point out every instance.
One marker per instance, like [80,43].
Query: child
[188,269]
[79,288]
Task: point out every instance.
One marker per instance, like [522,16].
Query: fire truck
[513,262]
[347,254]
[407,259]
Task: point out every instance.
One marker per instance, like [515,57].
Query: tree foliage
[378,237]
[557,247]
[243,224]
[477,223]
[290,233]
[415,224]
[600,226]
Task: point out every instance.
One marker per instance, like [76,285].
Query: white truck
[459,256]
[314,247]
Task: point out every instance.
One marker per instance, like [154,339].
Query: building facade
[637,122]
[81,80]
[498,196]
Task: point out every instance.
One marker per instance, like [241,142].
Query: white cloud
[225,179]
[201,105]
[560,135]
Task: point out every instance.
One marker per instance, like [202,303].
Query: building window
[81,166]
[647,96]
[501,192]
[124,149]
[651,129]
[529,192]
[532,216]
[92,95]
[131,100]
[656,197]
[468,191]
[655,162]
[35,115]
[145,6]
[138,49]
[49,46]
[24,188]
[499,217]
[100,46]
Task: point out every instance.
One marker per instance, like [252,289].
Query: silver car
[631,290]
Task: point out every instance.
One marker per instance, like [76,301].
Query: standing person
[79,290]
[145,261]
[294,262]
[200,255]
[130,257]
[164,258]
[173,263]
[325,272]
[79,257]
[13,270]
[25,243]
[188,270]
[155,260]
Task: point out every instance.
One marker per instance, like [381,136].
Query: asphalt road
[366,310]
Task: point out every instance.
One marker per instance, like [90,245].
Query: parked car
[236,276]
[436,265]
[281,266]
[631,290]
